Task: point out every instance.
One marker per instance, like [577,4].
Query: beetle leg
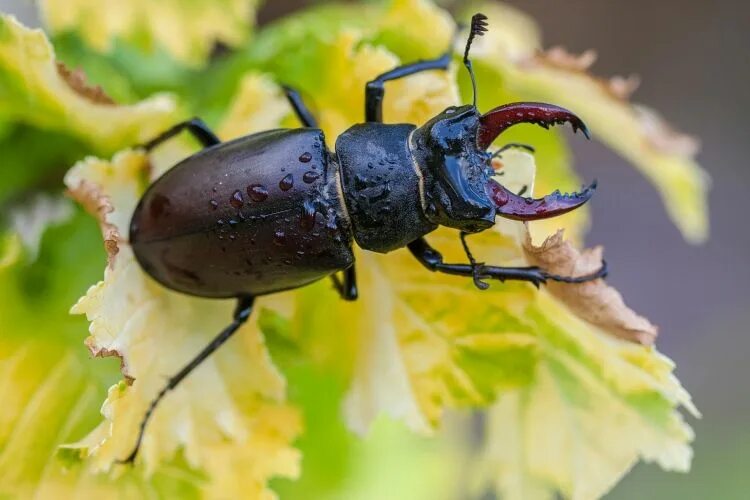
[241,314]
[195,126]
[512,145]
[474,265]
[300,109]
[347,289]
[375,89]
[433,260]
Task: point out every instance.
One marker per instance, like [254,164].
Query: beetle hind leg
[241,314]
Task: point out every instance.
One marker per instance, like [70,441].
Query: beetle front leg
[375,89]
[348,288]
[195,126]
[433,260]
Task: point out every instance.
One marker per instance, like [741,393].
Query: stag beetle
[278,210]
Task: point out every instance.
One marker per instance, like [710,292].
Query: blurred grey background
[693,58]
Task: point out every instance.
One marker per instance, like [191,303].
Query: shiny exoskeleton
[281,209]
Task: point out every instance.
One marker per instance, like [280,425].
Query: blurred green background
[691,56]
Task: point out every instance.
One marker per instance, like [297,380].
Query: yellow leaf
[350,64]
[597,406]
[594,301]
[576,406]
[35,89]
[186,29]
[232,410]
[257,105]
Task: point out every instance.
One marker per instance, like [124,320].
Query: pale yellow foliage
[34,90]
[187,29]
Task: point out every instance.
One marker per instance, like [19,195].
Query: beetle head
[451,150]
[455,170]
[459,190]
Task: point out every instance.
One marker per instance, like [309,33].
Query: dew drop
[286,183]
[307,219]
[279,238]
[236,200]
[305,157]
[310,177]
[257,192]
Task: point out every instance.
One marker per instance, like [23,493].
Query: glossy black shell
[253,216]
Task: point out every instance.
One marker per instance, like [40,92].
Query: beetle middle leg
[241,314]
[195,126]
[347,288]
[375,89]
[300,109]
[433,260]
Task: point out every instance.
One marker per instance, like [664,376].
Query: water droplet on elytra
[236,200]
[305,157]
[279,238]
[286,183]
[257,192]
[310,177]
[307,218]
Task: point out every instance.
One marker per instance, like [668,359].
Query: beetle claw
[513,206]
[495,122]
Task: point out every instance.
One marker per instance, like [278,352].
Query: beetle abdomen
[253,216]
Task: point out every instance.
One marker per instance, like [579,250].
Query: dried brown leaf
[594,301]
[98,204]
[76,79]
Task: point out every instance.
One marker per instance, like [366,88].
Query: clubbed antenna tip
[478,28]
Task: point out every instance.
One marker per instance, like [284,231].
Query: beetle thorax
[382,186]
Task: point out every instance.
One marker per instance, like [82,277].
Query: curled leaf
[35,90]
[595,301]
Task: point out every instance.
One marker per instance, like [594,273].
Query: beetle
[278,210]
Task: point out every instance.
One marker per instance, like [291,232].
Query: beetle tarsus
[474,264]
[241,314]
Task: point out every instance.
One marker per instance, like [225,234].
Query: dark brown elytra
[279,209]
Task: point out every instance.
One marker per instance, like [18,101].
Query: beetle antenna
[478,28]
